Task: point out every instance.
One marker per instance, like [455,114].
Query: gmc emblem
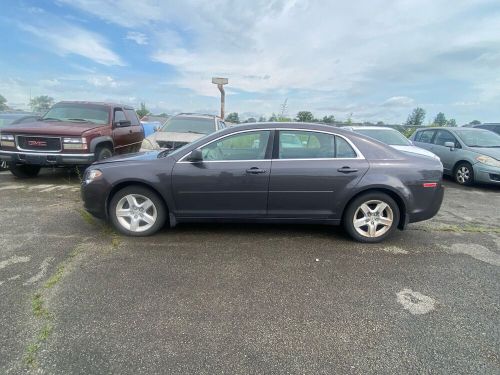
[37,143]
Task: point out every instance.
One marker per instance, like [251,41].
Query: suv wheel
[137,211]
[372,217]
[24,171]
[103,152]
[464,174]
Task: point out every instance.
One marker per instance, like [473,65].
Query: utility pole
[220,82]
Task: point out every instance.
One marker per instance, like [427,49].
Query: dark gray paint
[293,190]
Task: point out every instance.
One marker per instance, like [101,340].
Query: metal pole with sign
[220,82]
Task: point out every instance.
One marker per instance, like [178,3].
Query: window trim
[273,139]
[457,142]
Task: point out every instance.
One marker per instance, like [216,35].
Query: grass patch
[87,217]
[54,279]
[30,357]
[45,332]
[37,306]
[467,229]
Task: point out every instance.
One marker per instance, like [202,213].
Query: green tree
[262,119]
[233,117]
[440,119]
[41,103]
[475,122]
[305,116]
[250,119]
[416,118]
[380,123]
[143,111]
[451,122]
[328,119]
[3,103]
[273,118]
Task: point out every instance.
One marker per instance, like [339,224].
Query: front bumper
[46,159]
[486,174]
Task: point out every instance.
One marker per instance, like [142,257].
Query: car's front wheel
[137,211]
[464,174]
[24,171]
[371,217]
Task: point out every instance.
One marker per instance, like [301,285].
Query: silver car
[182,129]
[468,154]
[391,137]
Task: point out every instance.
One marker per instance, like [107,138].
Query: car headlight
[148,145]
[488,160]
[6,140]
[92,175]
[70,143]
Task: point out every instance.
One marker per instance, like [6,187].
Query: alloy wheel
[136,213]
[373,218]
[463,174]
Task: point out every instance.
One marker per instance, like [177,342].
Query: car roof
[292,125]
[197,115]
[106,104]
[370,127]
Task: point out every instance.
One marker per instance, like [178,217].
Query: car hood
[492,152]
[415,150]
[65,128]
[139,156]
[175,137]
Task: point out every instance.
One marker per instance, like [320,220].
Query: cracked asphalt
[244,299]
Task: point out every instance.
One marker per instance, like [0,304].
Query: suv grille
[171,145]
[39,143]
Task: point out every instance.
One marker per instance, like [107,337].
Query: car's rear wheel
[464,174]
[103,152]
[137,211]
[24,171]
[371,217]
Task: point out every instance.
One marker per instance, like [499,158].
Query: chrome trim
[359,155]
[42,154]
[37,136]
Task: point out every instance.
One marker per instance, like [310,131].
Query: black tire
[463,174]
[103,152]
[24,171]
[159,206]
[352,212]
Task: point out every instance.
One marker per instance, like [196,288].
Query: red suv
[69,134]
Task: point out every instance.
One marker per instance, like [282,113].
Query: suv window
[444,136]
[296,144]
[132,116]
[424,136]
[119,115]
[242,146]
[179,124]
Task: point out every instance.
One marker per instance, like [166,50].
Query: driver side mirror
[451,145]
[123,123]
[195,156]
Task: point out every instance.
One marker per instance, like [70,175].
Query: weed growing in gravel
[54,279]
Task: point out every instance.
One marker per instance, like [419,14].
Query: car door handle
[130,131]
[347,170]
[255,170]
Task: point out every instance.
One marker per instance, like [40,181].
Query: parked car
[182,129]
[12,118]
[494,127]
[152,123]
[69,134]
[391,137]
[468,154]
[249,174]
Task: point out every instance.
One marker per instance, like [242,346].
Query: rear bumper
[46,159]
[428,202]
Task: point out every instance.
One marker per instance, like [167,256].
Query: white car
[391,137]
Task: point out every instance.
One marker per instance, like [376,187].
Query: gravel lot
[253,299]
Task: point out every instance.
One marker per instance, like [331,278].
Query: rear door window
[296,144]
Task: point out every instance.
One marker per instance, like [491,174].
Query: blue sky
[373,59]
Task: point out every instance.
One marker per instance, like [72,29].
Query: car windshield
[478,137]
[387,136]
[73,112]
[189,125]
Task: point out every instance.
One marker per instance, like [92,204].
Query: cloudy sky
[373,59]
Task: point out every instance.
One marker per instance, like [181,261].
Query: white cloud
[137,37]
[64,39]
[102,81]
[398,101]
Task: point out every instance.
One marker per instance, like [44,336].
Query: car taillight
[430,184]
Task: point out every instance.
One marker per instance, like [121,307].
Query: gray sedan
[468,154]
[271,173]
